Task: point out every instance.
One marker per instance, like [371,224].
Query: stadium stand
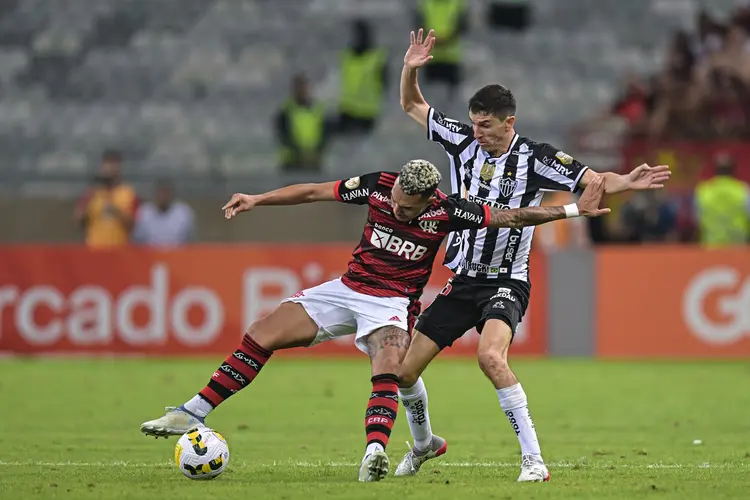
[191,85]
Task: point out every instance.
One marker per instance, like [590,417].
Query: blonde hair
[419,177]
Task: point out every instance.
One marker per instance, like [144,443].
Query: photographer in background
[107,209]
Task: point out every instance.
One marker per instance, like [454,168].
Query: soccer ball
[201,453]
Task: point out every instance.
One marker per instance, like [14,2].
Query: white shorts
[338,310]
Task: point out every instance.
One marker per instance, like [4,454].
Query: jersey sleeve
[447,132]
[356,190]
[465,214]
[555,170]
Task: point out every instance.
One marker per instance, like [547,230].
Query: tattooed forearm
[389,336]
[521,217]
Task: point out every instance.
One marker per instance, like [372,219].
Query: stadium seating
[191,85]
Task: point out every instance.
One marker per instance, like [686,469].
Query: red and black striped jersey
[395,258]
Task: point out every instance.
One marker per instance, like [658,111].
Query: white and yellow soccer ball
[201,453]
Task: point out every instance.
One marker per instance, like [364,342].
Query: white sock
[198,407]
[515,405]
[372,448]
[415,403]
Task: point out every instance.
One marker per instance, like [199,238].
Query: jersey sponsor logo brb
[382,238]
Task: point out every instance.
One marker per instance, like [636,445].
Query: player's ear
[509,122]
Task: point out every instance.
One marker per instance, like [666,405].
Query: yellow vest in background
[722,211]
[361,83]
[443,16]
[306,127]
[104,229]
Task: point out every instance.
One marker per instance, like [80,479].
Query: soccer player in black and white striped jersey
[494,166]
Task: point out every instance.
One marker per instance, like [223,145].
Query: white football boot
[414,458]
[533,470]
[375,467]
[176,422]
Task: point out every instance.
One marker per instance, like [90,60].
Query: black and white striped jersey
[516,179]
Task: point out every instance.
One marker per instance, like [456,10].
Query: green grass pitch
[608,431]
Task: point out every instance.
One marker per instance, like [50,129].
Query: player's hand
[238,204]
[419,49]
[588,203]
[646,177]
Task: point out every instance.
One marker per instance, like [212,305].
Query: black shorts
[466,303]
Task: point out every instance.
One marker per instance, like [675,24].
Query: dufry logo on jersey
[382,238]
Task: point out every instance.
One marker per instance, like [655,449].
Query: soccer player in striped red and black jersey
[376,300]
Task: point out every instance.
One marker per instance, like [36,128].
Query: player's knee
[386,362]
[407,378]
[492,362]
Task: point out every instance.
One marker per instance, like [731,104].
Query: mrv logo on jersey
[559,168]
[382,238]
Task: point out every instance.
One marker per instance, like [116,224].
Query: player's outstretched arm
[586,206]
[418,54]
[641,178]
[296,194]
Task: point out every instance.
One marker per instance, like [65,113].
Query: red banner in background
[690,161]
[190,301]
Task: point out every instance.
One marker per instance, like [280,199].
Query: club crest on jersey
[507,187]
[352,183]
[487,172]
[429,226]
[564,158]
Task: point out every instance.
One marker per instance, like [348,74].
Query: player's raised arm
[640,178]
[355,190]
[469,215]
[296,194]
[416,56]
[586,206]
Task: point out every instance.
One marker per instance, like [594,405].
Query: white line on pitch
[499,465]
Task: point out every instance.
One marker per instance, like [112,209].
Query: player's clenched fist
[239,203]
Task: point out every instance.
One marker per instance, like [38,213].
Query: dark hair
[493,100]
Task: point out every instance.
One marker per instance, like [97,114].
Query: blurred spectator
[648,217]
[703,90]
[710,35]
[301,129]
[363,80]
[564,234]
[722,206]
[449,19]
[165,221]
[632,106]
[106,210]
